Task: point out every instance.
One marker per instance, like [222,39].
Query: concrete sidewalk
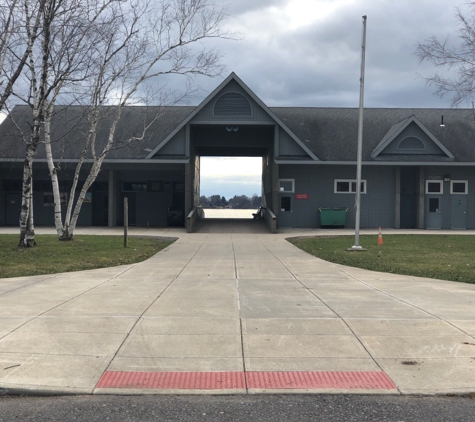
[232,303]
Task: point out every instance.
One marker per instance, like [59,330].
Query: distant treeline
[236,202]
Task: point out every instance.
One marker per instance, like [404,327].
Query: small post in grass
[126,222]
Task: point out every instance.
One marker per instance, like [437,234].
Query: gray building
[418,164]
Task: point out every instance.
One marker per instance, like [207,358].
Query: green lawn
[83,253]
[447,257]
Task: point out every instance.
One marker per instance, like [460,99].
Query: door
[12,209]
[285,217]
[458,212]
[433,212]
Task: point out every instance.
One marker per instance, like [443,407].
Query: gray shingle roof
[330,133]
[70,126]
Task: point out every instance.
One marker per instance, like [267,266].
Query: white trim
[387,140]
[350,186]
[458,181]
[287,191]
[441,184]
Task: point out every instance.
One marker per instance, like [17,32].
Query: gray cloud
[319,64]
[240,7]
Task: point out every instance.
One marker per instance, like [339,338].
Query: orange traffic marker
[380,237]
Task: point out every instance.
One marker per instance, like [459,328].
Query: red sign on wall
[301,196]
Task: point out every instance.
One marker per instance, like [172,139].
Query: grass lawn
[83,253]
[447,257]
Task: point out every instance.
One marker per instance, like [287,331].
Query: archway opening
[230,187]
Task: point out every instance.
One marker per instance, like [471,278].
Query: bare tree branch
[458,58]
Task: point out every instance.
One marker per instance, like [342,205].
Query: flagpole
[356,246]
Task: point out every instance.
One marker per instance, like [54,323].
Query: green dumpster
[332,217]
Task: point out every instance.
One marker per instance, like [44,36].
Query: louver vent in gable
[411,143]
[232,104]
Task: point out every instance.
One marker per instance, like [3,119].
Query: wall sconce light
[446,177]
[442,121]
[232,128]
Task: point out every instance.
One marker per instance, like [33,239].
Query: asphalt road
[238,408]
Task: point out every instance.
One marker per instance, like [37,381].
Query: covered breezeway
[231,140]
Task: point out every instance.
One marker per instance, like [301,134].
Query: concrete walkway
[235,303]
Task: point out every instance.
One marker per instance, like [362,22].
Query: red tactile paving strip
[173,380]
[347,380]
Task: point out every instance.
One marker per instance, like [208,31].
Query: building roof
[329,133]
[70,126]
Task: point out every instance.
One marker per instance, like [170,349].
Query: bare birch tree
[19,23]
[455,56]
[66,29]
[150,40]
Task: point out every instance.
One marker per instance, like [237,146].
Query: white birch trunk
[58,223]
[27,229]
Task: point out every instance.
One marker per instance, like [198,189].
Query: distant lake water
[229,213]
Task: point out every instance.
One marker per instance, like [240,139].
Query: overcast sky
[308,53]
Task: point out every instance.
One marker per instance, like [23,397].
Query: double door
[441,213]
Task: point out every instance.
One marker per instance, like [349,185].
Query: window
[155,186]
[434,187]
[285,203]
[348,186]
[286,185]
[433,204]
[459,187]
[134,186]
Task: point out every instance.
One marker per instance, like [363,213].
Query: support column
[112,201]
[421,199]
[275,189]
[189,167]
[397,213]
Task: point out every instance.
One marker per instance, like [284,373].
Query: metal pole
[126,222]
[357,246]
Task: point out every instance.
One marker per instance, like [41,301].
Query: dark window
[155,186]
[134,186]
[348,186]
[459,186]
[285,203]
[343,186]
[168,186]
[433,204]
[179,187]
[286,185]
[434,187]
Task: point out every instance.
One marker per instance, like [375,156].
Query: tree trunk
[58,223]
[27,228]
